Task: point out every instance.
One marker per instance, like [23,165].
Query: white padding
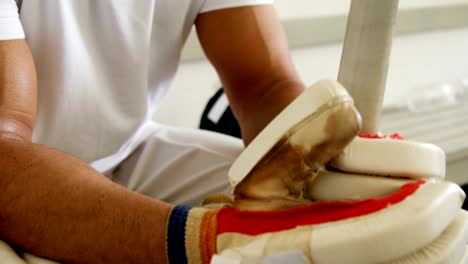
[338,186]
[392,233]
[464,259]
[390,157]
[314,100]
[448,248]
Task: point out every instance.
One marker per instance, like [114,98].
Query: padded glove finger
[448,248]
[376,230]
[391,156]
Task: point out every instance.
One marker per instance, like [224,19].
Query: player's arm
[52,204]
[249,50]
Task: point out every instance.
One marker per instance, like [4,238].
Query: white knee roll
[339,186]
[390,157]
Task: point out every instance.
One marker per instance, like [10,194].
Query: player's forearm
[17,89]
[54,205]
[249,50]
[57,207]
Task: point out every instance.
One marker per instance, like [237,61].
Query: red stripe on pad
[255,223]
[395,136]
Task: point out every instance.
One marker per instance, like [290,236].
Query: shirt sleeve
[211,5]
[10,24]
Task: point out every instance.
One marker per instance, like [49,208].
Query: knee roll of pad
[374,166]
[391,157]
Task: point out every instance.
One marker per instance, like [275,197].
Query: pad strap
[191,235]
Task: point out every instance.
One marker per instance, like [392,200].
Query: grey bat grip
[365,56]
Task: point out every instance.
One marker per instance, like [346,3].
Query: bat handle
[365,57]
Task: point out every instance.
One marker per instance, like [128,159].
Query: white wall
[417,61]
[306,8]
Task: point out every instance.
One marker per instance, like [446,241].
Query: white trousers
[180,165]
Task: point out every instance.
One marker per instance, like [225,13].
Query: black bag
[225,123]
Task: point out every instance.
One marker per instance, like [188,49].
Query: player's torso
[101,65]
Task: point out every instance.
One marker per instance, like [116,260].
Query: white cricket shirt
[103,66]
